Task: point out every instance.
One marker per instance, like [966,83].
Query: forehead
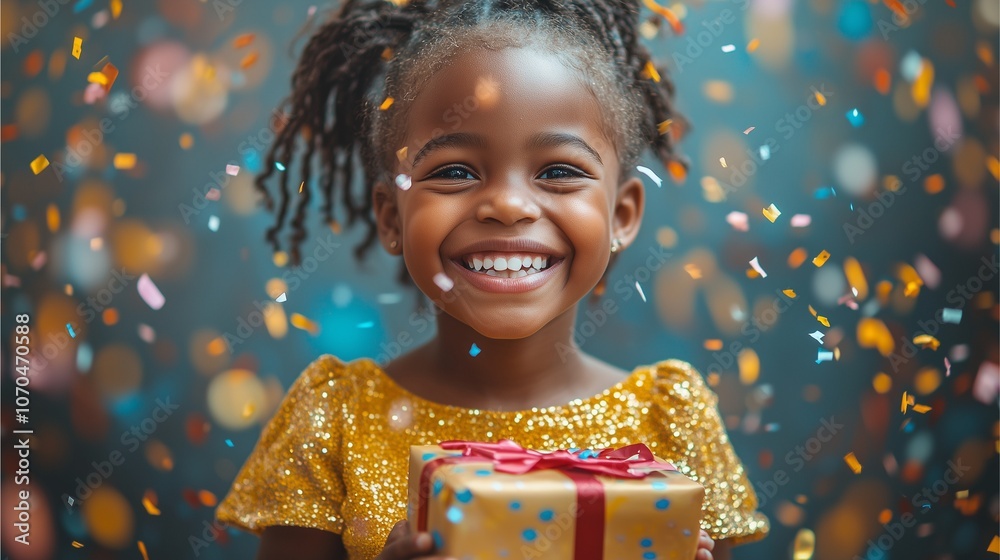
[507,96]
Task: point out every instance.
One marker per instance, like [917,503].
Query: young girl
[497,139]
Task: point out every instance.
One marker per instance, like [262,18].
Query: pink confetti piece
[10,281]
[232,170]
[213,194]
[756,266]
[150,293]
[947,367]
[928,271]
[443,282]
[39,261]
[739,220]
[801,220]
[987,384]
[749,130]
[403,181]
[848,300]
[960,352]
[147,333]
[890,464]
[93,93]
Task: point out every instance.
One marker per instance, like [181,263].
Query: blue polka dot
[484,472]
[649,555]
[546,515]
[503,553]
[515,505]
[529,534]
[438,486]
[464,496]
[428,456]
[659,485]
[662,503]
[687,532]
[646,543]
[454,514]
[438,540]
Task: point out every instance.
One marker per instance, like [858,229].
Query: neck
[509,372]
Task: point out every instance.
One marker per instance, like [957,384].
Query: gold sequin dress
[335,455]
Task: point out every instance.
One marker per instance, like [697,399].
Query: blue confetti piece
[474,351]
[366,325]
[855,118]
[454,514]
[529,534]
[515,505]
[229,443]
[72,333]
[765,152]
[824,192]
[81,5]
[279,165]
[646,543]
[464,496]
[662,503]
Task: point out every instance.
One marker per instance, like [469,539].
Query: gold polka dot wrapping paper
[475,510]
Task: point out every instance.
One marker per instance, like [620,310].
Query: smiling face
[509,164]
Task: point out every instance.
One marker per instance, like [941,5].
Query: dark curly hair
[335,104]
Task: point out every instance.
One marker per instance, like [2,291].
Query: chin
[503,330]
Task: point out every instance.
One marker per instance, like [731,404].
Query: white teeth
[478,264]
[487,263]
[508,267]
[520,273]
[537,263]
[492,272]
[514,263]
[532,271]
[500,264]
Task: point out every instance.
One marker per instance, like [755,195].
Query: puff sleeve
[696,441]
[293,475]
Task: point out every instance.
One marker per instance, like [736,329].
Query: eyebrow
[537,141]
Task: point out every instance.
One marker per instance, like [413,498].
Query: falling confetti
[150,293]
[146,333]
[668,14]
[124,160]
[953,316]
[756,266]
[77,47]
[116,8]
[638,288]
[739,220]
[386,104]
[249,60]
[243,40]
[213,223]
[789,292]
[403,181]
[232,170]
[821,258]
[772,213]
[852,462]
[149,502]
[304,323]
[649,71]
[39,164]
[229,443]
[443,282]
[474,350]
[801,220]
[280,166]
[728,48]
[818,336]
[366,324]
[282,298]
[649,173]
[69,328]
[142,549]
[855,118]
[805,545]
[749,130]
[824,356]
[926,341]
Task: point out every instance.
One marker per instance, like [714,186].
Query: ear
[387,218]
[630,202]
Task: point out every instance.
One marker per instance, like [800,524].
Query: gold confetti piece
[52,217]
[749,365]
[790,293]
[77,544]
[664,126]
[823,321]
[39,164]
[149,502]
[994,545]
[249,60]
[243,40]
[116,8]
[852,462]
[142,549]
[77,47]
[907,401]
[921,89]
[692,270]
[821,258]
[993,164]
[302,186]
[722,162]
[186,141]
[280,258]
[912,289]
[805,545]
[772,213]
[752,45]
[820,98]
[649,71]
[668,14]
[921,408]
[927,341]
[124,161]
[856,277]
[385,104]
[303,323]
[713,344]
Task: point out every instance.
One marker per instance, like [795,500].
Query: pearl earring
[615,245]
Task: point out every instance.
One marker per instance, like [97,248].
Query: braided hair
[337,113]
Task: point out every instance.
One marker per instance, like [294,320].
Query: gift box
[500,501]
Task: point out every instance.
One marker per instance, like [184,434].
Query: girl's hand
[705,546]
[402,544]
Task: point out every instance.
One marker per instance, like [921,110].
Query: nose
[508,203]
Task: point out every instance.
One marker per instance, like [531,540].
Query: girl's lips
[499,284]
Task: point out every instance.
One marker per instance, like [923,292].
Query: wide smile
[507,272]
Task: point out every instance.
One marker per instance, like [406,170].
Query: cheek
[586,223]
[424,229]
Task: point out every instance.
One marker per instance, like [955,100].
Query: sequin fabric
[335,454]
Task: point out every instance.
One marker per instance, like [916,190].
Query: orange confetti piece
[677,171]
[33,63]
[77,544]
[386,104]
[303,323]
[994,545]
[993,164]
[797,257]
[386,53]
[207,498]
[907,401]
[668,14]
[713,344]
[116,8]
[39,164]
[77,47]
[820,98]
[883,81]
[873,333]
[216,347]
[124,161]
[921,408]
[649,71]
[8,132]
[934,184]
[852,462]
[664,126]
[249,60]
[821,258]
[149,502]
[243,40]
[926,341]
[790,293]
[921,89]
[692,270]
[186,141]
[752,45]
[52,217]
[898,8]
[142,549]
[105,77]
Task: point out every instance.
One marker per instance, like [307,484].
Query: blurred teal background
[870,126]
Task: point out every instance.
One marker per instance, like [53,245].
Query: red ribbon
[631,461]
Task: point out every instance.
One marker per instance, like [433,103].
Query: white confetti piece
[213,223]
[818,336]
[801,220]
[638,288]
[150,293]
[739,221]
[443,282]
[756,266]
[824,356]
[232,170]
[281,298]
[749,130]
[649,173]
[728,48]
[403,181]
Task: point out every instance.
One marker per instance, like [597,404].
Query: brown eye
[454,173]
[561,172]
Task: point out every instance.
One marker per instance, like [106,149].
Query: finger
[408,546]
[703,555]
[706,542]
